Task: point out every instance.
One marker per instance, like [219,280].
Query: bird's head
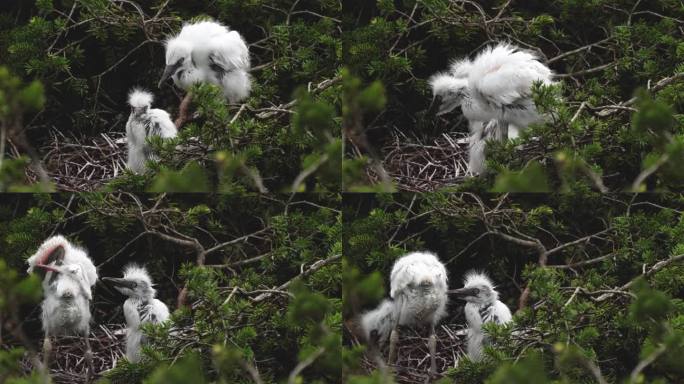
[418,273]
[57,258]
[477,289]
[136,283]
[178,58]
[140,102]
[66,281]
[460,68]
[447,92]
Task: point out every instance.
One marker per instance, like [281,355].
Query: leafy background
[595,280]
[277,261]
[605,52]
[84,56]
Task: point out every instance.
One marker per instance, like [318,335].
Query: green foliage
[604,52]
[266,299]
[89,54]
[588,310]
[528,370]
[529,179]
[16,100]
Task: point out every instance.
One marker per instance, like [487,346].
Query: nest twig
[413,356]
[426,166]
[68,363]
[83,164]
[80,164]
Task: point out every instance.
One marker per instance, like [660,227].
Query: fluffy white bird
[67,290]
[208,51]
[141,306]
[418,292]
[482,306]
[145,122]
[494,92]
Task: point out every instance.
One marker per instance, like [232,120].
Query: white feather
[67,295]
[205,47]
[418,286]
[138,98]
[143,123]
[483,308]
[495,87]
[141,307]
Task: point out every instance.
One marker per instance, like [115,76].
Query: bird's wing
[161,124]
[503,76]
[500,313]
[154,312]
[80,257]
[228,52]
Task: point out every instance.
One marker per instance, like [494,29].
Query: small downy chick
[482,306]
[145,122]
[140,307]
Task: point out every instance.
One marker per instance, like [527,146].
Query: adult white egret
[418,292]
[482,306]
[145,122]
[140,307]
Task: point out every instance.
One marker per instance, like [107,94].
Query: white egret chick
[143,122]
[418,296]
[140,307]
[67,290]
[482,306]
[494,92]
[208,51]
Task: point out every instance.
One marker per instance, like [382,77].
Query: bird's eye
[425,284]
[180,61]
[476,291]
[134,284]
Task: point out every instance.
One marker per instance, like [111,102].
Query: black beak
[168,72]
[464,292]
[434,105]
[116,281]
[47,268]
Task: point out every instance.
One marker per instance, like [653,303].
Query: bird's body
[141,307]
[67,286]
[493,90]
[66,311]
[482,307]
[210,52]
[67,290]
[143,122]
[418,291]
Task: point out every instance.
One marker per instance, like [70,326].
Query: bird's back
[161,124]
[504,74]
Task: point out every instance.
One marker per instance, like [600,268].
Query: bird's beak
[118,282]
[47,268]
[168,71]
[463,292]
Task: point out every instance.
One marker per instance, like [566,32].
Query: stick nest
[81,164]
[84,164]
[68,364]
[413,357]
[419,166]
